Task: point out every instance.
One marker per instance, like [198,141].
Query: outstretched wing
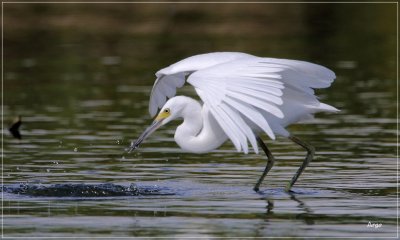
[237,92]
[239,88]
[174,76]
[165,86]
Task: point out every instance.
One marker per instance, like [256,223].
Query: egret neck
[199,132]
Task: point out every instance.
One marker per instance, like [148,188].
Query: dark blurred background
[63,54]
[99,43]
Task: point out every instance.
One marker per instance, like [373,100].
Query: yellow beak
[153,127]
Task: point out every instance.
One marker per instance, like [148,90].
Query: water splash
[84,190]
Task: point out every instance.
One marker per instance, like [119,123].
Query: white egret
[242,97]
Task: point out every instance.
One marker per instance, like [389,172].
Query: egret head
[171,110]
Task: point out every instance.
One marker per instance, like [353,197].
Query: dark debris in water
[14,128]
[83,190]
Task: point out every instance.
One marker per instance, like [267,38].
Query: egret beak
[154,126]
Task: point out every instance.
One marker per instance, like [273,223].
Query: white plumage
[242,95]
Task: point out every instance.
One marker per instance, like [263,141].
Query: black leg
[270,163]
[310,154]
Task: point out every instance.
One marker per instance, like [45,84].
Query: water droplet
[123,157]
[118,142]
[55,162]
[47,170]
[75,149]
[17,168]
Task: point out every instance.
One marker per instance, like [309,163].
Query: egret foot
[288,187]
[270,163]
[310,154]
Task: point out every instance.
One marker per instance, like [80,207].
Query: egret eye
[166,110]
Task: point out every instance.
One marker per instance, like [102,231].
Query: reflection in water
[307,212]
[269,207]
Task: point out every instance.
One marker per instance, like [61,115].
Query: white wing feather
[175,74]
[244,92]
[165,86]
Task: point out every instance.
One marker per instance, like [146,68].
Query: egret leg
[270,163]
[310,154]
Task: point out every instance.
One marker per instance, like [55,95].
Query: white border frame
[198,2]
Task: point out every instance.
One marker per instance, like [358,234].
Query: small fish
[14,129]
[132,147]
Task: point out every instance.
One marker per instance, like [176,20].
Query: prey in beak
[153,127]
